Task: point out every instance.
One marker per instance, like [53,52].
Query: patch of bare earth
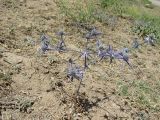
[40,90]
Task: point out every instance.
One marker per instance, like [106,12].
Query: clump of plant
[143,29]
[115,6]
[149,40]
[78,99]
[102,51]
[61,46]
[141,92]
[93,34]
[45,44]
[135,44]
[29,41]
[74,72]
[5,79]
[5,83]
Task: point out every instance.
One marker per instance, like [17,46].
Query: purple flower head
[126,59]
[125,50]
[74,72]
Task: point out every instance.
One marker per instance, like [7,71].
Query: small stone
[12,58]
[18,50]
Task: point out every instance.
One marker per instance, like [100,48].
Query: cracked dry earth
[39,89]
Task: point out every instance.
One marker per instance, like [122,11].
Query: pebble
[12,58]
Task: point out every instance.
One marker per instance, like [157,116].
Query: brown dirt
[37,79]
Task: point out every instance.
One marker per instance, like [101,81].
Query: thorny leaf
[44,38]
[85,54]
[101,50]
[45,47]
[125,50]
[105,53]
[150,39]
[74,71]
[93,34]
[45,44]
[123,55]
[110,53]
[61,46]
[102,53]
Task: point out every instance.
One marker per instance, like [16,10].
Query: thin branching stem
[79,86]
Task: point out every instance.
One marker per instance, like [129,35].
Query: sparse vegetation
[135,9]
[143,93]
[5,83]
[77,72]
[103,63]
[148,22]
[78,11]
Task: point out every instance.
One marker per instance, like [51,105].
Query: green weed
[78,11]
[136,9]
[143,93]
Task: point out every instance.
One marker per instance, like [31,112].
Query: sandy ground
[40,88]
